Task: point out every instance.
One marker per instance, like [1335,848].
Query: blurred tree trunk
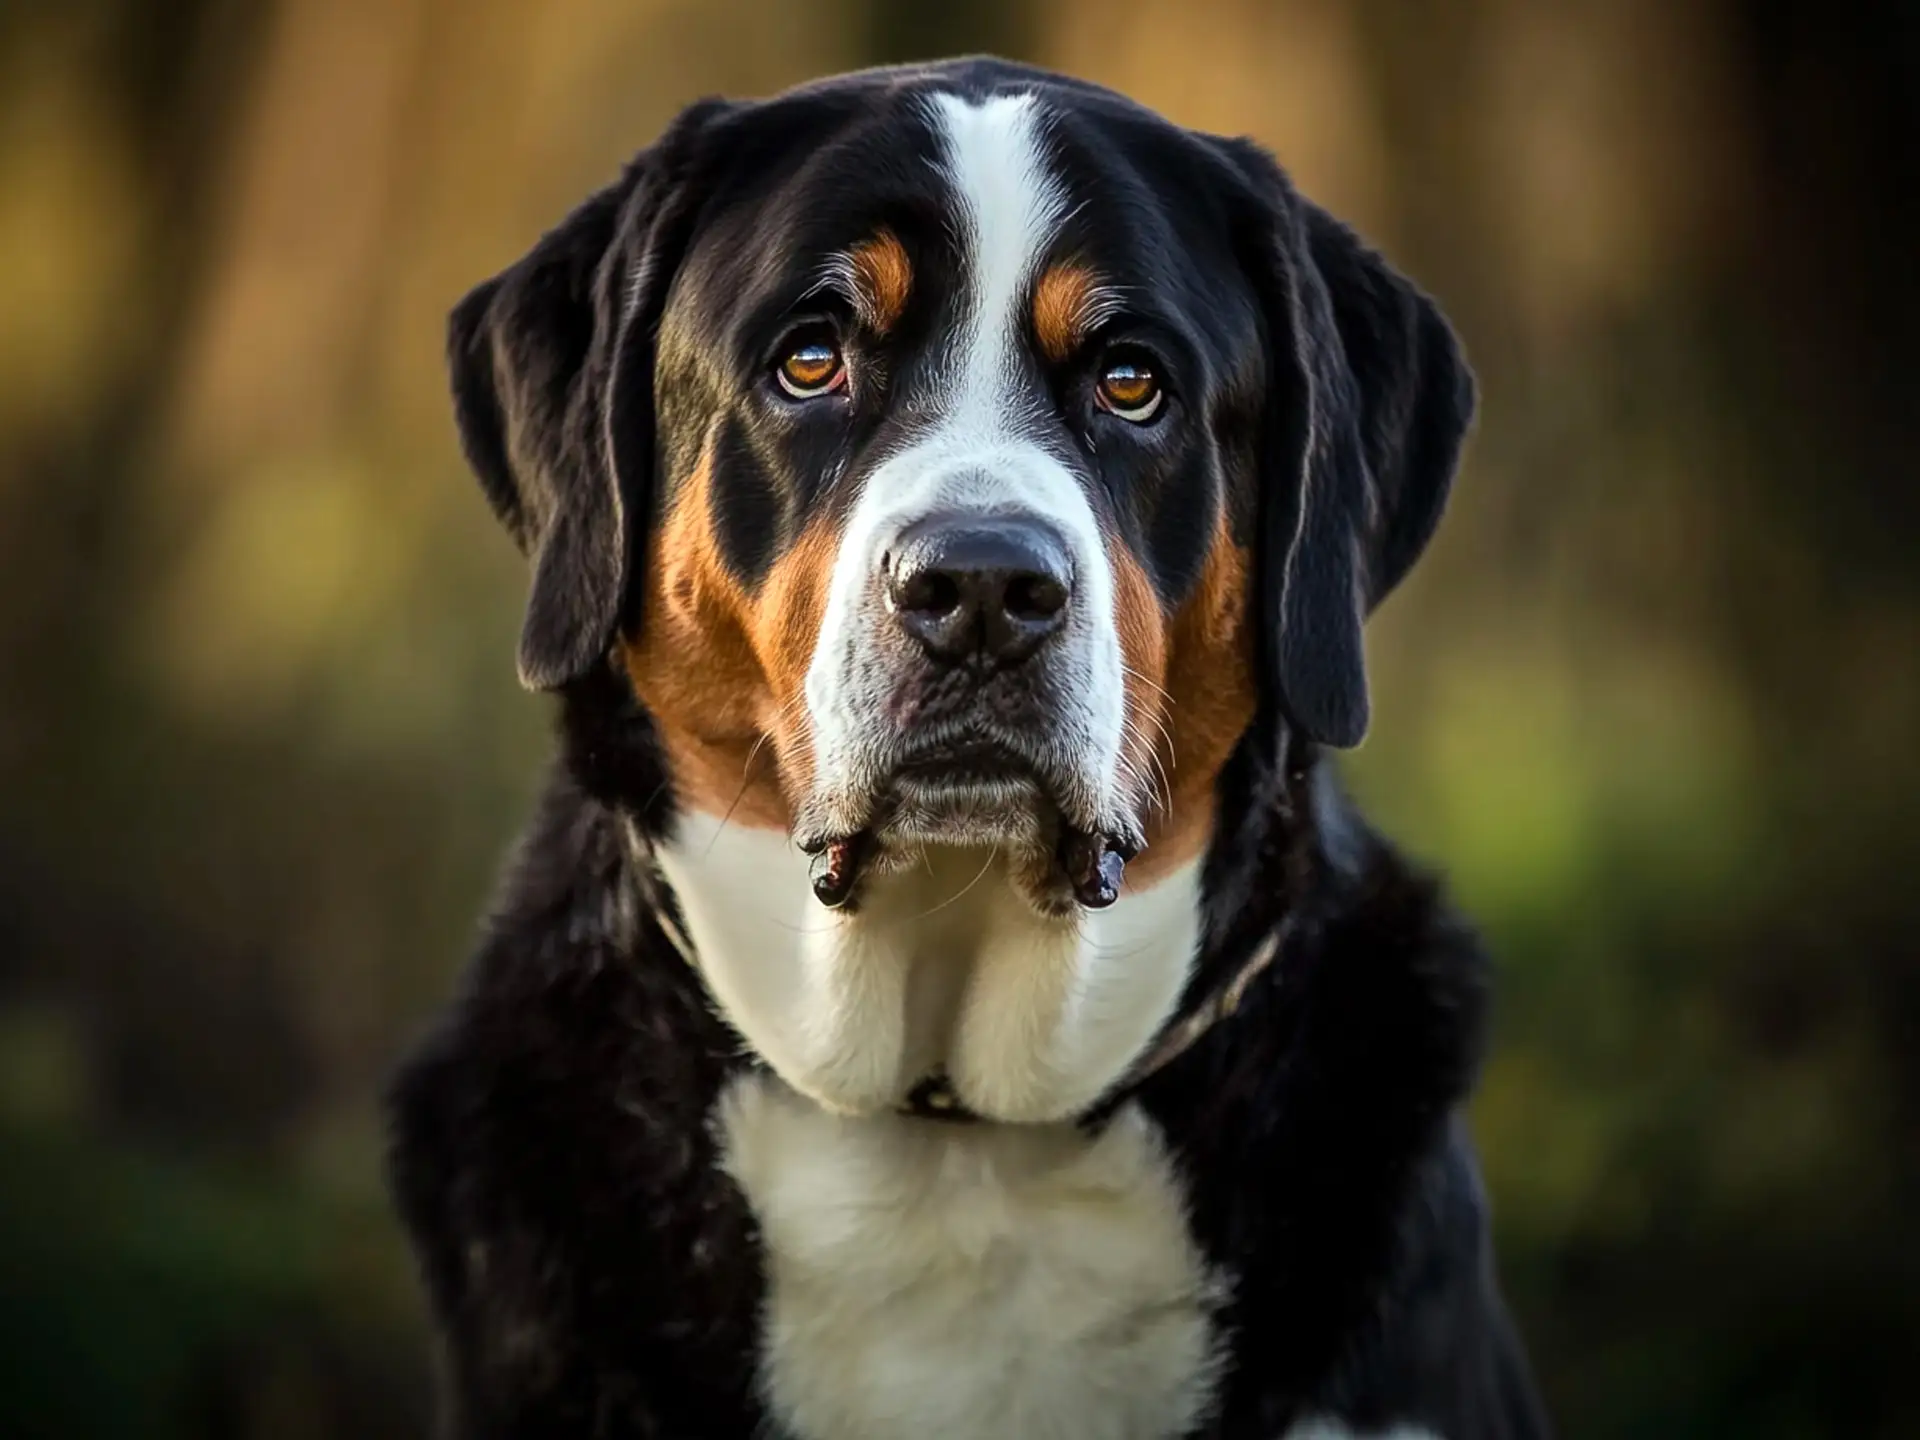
[1828,359]
[160,87]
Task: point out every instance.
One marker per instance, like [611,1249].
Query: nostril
[931,592]
[1035,597]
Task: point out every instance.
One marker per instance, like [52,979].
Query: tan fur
[885,276]
[1190,696]
[720,670]
[1062,303]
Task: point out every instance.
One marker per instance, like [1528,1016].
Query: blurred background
[1652,701]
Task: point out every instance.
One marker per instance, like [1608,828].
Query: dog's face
[959,458]
[948,421]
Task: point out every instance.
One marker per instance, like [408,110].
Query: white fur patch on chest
[971,1280]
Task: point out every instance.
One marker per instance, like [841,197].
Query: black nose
[994,587]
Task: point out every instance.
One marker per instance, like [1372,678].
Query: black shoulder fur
[594,1272]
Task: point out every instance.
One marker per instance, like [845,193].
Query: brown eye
[1129,388]
[812,367]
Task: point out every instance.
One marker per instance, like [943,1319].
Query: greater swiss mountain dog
[944,991]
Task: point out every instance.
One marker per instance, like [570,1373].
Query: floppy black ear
[1370,401]
[552,369]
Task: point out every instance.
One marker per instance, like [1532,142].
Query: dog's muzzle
[966,690]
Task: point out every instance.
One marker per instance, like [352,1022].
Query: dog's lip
[964,762]
[964,770]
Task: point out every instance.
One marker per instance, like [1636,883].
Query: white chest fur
[942,965]
[971,1280]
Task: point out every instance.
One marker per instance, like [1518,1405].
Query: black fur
[596,1274]
[552,367]
[1372,403]
[592,1270]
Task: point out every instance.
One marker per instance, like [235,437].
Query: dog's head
[959,458]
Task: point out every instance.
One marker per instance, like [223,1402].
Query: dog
[944,990]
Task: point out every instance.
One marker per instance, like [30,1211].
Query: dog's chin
[970,793]
[968,810]
[967,797]
[1008,809]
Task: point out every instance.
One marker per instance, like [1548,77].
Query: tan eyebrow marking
[876,277]
[1069,300]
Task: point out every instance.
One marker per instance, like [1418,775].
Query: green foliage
[173,1298]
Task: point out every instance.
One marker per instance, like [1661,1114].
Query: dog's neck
[945,967]
[945,970]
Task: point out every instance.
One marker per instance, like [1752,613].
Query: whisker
[746,783]
[746,769]
[1162,730]
[1119,954]
[1142,786]
[797,929]
[986,866]
[1166,694]
[1157,787]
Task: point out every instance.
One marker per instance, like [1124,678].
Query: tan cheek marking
[885,275]
[1143,650]
[1206,700]
[1060,308]
[786,627]
[720,670]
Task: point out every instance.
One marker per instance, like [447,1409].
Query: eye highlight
[1129,386]
[813,366]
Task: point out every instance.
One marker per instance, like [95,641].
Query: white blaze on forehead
[1011,208]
